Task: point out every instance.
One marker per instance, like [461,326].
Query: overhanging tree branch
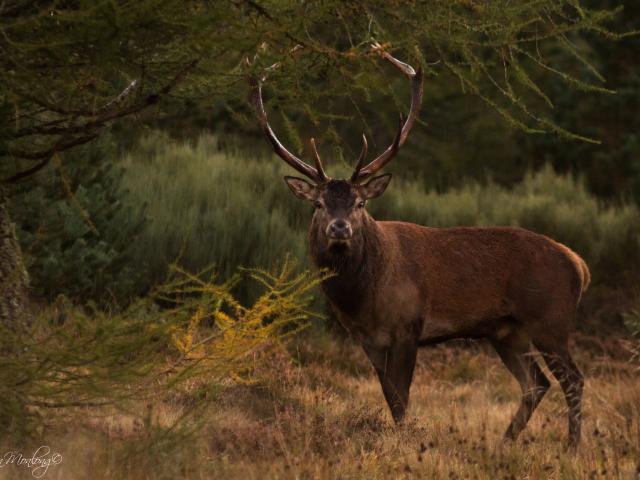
[78,133]
[46,155]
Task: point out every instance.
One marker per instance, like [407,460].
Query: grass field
[317,411]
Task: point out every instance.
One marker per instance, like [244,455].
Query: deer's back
[468,276]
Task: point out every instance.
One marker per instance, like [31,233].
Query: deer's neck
[356,267]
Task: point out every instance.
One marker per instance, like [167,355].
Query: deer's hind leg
[556,355]
[551,337]
[516,353]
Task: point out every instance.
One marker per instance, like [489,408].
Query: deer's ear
[377,185]
[301,188]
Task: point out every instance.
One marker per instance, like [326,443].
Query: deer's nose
[339,229]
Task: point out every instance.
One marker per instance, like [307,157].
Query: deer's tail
[580,265]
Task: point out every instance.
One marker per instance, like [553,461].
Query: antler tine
[317,161]
[361,159]
[316,174]
[377,164]
[403,132]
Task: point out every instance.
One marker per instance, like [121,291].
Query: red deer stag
[399,286]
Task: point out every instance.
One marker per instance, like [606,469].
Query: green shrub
[206,207]
[76,228]
[210,207]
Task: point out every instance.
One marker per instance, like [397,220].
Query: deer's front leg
[394,366]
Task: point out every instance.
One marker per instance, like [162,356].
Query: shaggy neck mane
[355,266]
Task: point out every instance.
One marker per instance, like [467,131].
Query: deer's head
[340,204]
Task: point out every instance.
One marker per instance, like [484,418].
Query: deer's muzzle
[339,230]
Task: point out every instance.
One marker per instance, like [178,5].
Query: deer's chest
[384,314]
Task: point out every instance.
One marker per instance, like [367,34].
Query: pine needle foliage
[67,69]
[215,334]
[74,359]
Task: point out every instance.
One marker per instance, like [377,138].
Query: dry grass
[322,416]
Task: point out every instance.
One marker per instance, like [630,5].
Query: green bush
[207,207]
[77,230]
[210,207]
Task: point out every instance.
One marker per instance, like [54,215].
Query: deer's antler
[378,163]
[317,174]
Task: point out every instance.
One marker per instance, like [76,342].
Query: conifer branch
[91,128]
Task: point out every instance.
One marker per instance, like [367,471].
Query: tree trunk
[14,281]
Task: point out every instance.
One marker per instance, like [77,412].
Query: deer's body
[433,284]
[398,285]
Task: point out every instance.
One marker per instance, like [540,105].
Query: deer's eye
[317,204]
[361,204]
